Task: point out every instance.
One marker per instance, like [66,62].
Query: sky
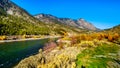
[101,13]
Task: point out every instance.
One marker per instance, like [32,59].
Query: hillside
[80,23]
[16,21]
[115,29]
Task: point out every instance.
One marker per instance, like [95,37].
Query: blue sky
[102,13]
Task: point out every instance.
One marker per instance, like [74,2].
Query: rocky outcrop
[80,23]
[12,9]
[84,24]
[49,19]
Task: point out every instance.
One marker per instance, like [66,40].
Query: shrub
[87,44]
[116,36]
[110,38]
[60,44]
[73,40]
[83,37]
[49,46]
[2,37]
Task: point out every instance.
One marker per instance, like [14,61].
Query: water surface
[12,52]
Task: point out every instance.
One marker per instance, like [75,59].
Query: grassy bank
[80,51]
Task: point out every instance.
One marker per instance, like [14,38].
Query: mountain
[14,20]
[80,23]
[12,9]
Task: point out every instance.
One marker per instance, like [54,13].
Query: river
[12,52]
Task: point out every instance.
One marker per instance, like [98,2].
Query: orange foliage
[110,38]
[116,36]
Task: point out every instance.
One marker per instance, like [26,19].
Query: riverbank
[75,55]
[3,41]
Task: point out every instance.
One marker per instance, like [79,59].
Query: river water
[12,52]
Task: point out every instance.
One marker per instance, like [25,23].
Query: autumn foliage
[111,37]
[2,37]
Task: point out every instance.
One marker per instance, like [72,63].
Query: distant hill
[16,21]
[115,29]
[80,23]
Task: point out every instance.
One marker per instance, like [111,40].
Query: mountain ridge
[13,9]
[80,23]
[15,20]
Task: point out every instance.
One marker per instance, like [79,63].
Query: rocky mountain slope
[12,9]
[16,21]
[80,23]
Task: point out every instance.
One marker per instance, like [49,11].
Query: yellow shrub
[87,44]
[24,36]
[2,37]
